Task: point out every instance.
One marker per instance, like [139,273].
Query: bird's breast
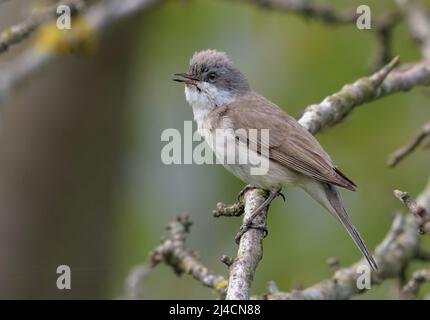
[199,102]
[245,163]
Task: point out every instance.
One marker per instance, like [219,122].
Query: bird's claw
[249,225]
[282,196]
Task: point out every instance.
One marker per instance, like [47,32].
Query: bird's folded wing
[289,143]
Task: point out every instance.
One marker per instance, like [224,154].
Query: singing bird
[222,99]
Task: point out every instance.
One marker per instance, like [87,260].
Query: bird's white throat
[205,99]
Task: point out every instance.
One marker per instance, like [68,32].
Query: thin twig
[412,287]
[404,151]
[232,210]
[419,212]
[95,19]
[19,32]
[333,263]
[134,282]
[173,252]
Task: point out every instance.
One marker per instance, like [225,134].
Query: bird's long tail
[339,211]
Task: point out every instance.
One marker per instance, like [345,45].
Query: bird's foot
[243,191]
[249,225]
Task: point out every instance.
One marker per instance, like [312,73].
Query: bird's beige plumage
[292,146]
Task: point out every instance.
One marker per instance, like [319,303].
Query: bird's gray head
[212,79]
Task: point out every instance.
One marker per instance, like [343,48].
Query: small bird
[222,99]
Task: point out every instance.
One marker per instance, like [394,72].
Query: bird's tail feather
[335,200]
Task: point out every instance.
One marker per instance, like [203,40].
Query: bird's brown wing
[292,145]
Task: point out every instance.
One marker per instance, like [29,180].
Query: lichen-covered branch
[173,252]
[388,80]
[22,30]
[135,280]
[92,20]
[392,256]
[338,105]
[411,288]
[250,249]
[420,213]
[233,210]
[404,151]
[399,248]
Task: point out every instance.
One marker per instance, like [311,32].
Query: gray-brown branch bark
[250,250]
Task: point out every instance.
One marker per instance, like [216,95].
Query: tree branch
[233,210]
[134,282]
[250,249]
[404,151]
[388,80]
[399,248]
[95,19]
[23,30]
[174,253]
[410,290]
[420,213]
[337,106]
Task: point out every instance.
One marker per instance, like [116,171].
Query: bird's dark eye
[205,70]
[212,76]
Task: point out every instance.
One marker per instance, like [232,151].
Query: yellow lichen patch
[220,284]
[80,39]
[5,35]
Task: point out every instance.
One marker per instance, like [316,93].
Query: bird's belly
[276,177]
[256,170]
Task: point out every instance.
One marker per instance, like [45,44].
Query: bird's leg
[243,191]
[249,223]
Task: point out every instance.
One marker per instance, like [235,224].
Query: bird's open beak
[185,77]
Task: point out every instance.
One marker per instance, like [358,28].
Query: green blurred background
[294,62]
